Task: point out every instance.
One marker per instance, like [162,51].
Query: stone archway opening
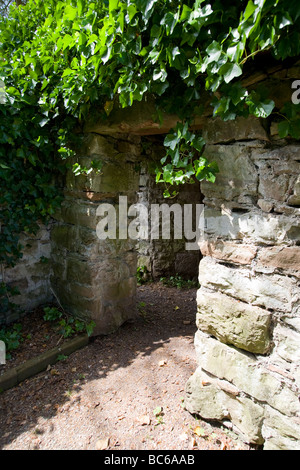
[94,272]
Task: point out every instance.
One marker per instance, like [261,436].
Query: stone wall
[31,275]
[164,258]
[96,278]
[248,319]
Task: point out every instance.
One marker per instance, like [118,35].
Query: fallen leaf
[176,308]
[54,372]
[193,442]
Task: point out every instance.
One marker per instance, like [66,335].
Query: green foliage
[6,292]
[59,61]
[179,282]
[67,325]
[12,337]
[142,275]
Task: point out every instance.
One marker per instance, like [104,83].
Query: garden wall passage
[248,320]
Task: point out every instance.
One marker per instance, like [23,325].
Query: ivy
[59,60]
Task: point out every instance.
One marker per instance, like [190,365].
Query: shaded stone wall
[31,275]
[166,257]
[248,320]
[91,277]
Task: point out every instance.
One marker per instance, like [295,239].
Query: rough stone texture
[248,316]
[234,322]
[246,372]
[276,292]
[228,251]
[166,257]
[219,400]
[31,275]
[276,258]
[96,278]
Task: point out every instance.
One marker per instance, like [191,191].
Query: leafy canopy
[60,59]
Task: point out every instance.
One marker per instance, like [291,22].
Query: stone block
[217,131]
[186,264]
[239,253]
[245,372]
[280,432]
[253,227]
[271,292]
[274,178]
[237,176]
[65,236]
[234,322]
[283,258]
[294,199]
[116,176]
[287,344]
[206,398]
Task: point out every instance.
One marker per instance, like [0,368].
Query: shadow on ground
[122,391]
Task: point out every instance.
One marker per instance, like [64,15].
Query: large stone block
[206,397]
[275,178]
[253,227]
[280,432]
[280,257]
[239,253]
[217,131]
[272,292]
[234,322]
[237,176]
[287,344]
[246,373]
[294,200]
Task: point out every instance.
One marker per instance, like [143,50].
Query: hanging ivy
[60,58]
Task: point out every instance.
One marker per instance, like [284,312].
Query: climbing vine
[61,59]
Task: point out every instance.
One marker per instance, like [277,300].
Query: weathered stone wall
[96,278]
[162,257]
[31,275]
[248,320]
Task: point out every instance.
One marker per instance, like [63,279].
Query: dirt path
[122,392]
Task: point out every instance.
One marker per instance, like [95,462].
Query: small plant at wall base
[12,337]
[179,282]
[67,325]
[60,61]
[142,275]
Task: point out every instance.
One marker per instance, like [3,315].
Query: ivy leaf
[171,141]
[214,52]
[250,9]
[283,129]
[70,12]
[230,71]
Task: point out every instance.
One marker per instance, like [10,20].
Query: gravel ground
[123,391]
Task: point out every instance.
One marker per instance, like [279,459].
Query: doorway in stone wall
[167,255]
